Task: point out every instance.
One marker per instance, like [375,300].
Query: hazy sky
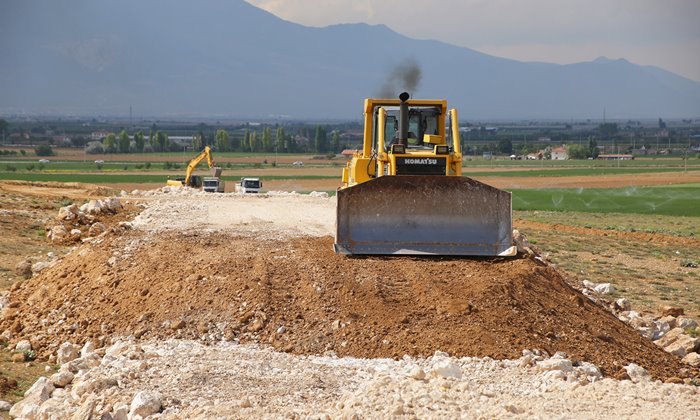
[664,33]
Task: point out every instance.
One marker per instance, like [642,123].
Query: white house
[559,153]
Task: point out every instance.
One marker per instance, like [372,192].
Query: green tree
[267,139]
[245,144]
[43,150]
[110,143]
[160,141]
[222,140]
[139,142]
[335,141]
[3,128]
[505,146]
[279,139]
[320,141]
[577,151]
[254,142]
[198,141]
[593,151]
[124,142]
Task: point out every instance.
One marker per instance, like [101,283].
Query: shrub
[99,166]
[40,166]
[23,152]
[30,167]
[148,165]
[43,150]
[126,167]
[167,165]
[94,148]
[10,168]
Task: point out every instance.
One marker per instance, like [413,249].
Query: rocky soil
[236,306]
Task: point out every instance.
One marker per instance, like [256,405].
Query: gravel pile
[186,379]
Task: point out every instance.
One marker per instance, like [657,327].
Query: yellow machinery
[191,180]
[404,192]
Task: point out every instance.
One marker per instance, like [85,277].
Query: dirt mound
[300,297]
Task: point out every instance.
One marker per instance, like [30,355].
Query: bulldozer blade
[435,215]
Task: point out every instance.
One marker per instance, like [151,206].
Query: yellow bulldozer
[195,181]
[404,192]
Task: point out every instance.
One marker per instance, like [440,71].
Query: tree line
[252,141]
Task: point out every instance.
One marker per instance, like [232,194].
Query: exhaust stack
[403,119]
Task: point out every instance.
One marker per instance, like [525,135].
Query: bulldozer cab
[422,121]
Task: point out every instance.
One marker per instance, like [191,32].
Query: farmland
[634,226]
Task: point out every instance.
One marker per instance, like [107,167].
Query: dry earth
[251,276]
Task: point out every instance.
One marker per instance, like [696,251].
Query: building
[616,157]
[559,153]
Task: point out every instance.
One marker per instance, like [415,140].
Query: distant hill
[229,58]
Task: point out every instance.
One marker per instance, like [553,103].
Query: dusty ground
[261,270]
[241,288]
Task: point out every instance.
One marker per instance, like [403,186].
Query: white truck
[249,185]
[213,185]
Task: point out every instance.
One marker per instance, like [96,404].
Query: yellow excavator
[404,192]
[195,181]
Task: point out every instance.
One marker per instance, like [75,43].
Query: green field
[676,200]
[681,200]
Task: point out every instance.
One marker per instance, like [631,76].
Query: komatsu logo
[423,161]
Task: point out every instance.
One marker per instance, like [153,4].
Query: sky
[662,33]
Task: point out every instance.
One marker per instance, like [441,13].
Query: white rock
[604,288]
[589,284]
[554,374]
[87,349]
[683,345]
[418,373]
[27,408]
[662,327]
[112,204]
[623,304]
[40,266]
[121,412]
[96,228]
[61,378]
[5,406]
[75,232]
[66,353]
[693,359]
[446,368]
[57,233]
[144,404]
[42,387]
[92,207]
[637,373]
[589,369]
[685,322]
[117,349]
[68,212]
[23,345]
[555,363]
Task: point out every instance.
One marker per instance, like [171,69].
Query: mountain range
[227,58]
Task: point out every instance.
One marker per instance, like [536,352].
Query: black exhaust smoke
[406,76]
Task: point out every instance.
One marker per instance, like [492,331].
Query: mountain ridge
[227,57]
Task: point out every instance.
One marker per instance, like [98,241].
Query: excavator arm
[206,153]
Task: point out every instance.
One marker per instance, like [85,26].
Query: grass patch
[670,201]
